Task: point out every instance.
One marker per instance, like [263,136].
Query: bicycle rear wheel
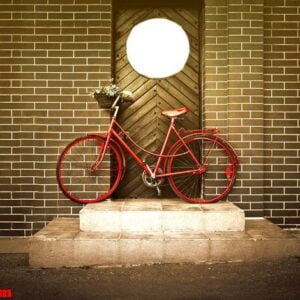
[210,186]
[73,171]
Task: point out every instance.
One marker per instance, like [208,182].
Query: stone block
[45,253]
[141,221]
[100,221]
[94,252]
[140,249]
[61,245]
[185,247]
[182,221]
[161,215]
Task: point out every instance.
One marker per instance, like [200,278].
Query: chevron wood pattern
[143,118]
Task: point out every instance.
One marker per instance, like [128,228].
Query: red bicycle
[200,165]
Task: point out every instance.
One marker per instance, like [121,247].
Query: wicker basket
[103,100]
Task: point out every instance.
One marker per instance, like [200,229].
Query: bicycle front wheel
[217,179]
[74,174]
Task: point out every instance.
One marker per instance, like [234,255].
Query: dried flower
[111,90]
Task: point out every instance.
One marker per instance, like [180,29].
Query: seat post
[173,119]
[162,151]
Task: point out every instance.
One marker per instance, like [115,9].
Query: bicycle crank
[153,182]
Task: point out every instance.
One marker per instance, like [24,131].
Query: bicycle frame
[113,134]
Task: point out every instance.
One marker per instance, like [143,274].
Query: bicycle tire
[76,180]
[212,185]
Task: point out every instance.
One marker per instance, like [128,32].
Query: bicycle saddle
[175,112]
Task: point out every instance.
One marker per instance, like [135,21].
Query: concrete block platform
[148,215]
[62,244]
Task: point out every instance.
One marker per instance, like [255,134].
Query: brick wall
[215,65]
[233,90]
[51,53]
[282,111]
[245,99]
[251,91]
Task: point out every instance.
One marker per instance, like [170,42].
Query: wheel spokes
[75,177]
[210,185]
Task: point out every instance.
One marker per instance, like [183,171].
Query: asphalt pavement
[235,280]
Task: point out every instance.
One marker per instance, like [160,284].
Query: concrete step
[13,260]
[153,215]
[61,243]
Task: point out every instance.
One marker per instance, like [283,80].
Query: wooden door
[143,118]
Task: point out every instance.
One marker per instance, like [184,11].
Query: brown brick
[73,76]
[73,31]
[73,46]
[47,76]
[61,83]
[47,91]
[73,61]
[48,8]
[279,213]
[293,221]
[47,30]
[59,69]
[56,53]
[59,16]
[47,61]
[60,38]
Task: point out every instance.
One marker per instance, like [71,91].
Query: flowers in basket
[105,95]
[107,91]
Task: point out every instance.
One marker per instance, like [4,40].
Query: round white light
[157,48]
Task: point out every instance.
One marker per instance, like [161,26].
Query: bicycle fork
[101,153]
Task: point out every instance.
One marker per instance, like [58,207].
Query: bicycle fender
[212,133]
[191,134]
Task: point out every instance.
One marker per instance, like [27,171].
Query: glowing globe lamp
[157,48]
